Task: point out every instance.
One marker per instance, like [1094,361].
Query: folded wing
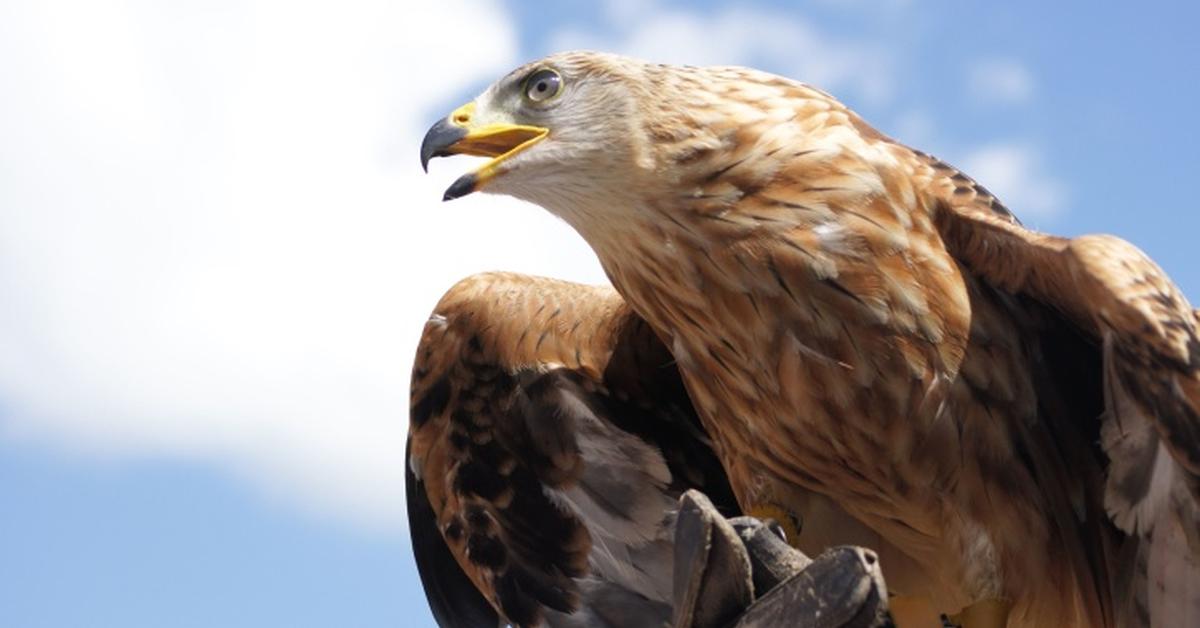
[550,438]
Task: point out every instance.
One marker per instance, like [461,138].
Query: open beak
[458,134]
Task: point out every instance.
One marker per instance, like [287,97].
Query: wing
[1143,339]
[452,595]
[550,438]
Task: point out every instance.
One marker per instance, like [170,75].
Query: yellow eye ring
[543,85]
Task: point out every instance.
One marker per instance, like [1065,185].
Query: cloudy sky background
[217,249]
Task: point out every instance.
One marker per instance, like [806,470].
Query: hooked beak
[458,134]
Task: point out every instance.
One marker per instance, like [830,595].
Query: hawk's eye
[543,85]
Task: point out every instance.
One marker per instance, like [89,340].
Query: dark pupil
[542,86]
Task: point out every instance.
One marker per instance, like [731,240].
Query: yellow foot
[787,521]
[991,613]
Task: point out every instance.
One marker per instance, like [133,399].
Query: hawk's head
[556,129]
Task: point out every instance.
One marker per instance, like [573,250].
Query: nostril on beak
[461,117]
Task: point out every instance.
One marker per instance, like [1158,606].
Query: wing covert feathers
[551,437]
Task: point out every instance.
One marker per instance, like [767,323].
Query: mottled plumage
[872,341]
[550,440]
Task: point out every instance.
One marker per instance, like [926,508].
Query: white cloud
[745,36]
[215,239]
[1016,174]
[1000,81]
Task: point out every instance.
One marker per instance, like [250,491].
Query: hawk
[878,350]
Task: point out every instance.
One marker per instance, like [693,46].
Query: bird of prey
[876,347]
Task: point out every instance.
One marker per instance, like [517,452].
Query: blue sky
[217,249]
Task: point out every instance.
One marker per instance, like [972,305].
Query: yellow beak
[458,134]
